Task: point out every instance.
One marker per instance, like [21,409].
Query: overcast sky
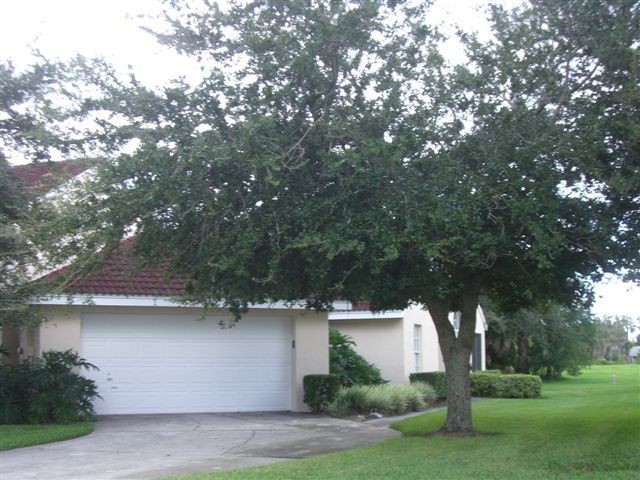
[109,28]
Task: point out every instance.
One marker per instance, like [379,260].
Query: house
[401,342]
[634,352]
[156,355]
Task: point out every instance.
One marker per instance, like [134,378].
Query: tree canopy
[25,121]
[332,152]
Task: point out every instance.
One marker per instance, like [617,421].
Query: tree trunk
[523,354]
[456,352]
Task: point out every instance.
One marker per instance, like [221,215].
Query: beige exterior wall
[379,341]
[63,328]
[430,355]
[389,342]
[311,352]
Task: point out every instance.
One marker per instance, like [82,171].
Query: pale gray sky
[109,28]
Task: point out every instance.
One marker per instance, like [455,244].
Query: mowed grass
[16,436]
[583,427]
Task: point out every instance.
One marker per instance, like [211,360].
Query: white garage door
[177,363]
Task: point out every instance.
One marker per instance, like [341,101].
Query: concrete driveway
[152,446]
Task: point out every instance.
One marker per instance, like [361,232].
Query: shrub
[505,386]
[48,391]
[320,390]
[15,393]
[348,365]
[351,400]
[437,380]
[385,399]
[494,371]
[486,384]
[426,391]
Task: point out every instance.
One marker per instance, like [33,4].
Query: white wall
[430,355]
[481,326]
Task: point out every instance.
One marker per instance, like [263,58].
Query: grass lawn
[15,436]
[583,427]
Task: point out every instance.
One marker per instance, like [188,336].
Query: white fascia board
[149,301]
[365,315]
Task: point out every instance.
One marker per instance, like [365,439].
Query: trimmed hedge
[505,386]
[485,384]
[320,390]
[437,380]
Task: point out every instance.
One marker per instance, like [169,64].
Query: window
[417,343]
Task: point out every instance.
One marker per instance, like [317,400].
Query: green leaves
[331,152]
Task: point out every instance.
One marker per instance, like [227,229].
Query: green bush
[47,391]
[486,384]
[347,364]
[320,390]
[386,399]
[494,371]
[505,386]
[426,391]
[15,393]
[437,380]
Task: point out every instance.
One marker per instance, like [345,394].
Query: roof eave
[101,300]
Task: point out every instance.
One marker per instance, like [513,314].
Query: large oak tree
[332,152]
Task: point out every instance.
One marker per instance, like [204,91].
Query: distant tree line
[551,339]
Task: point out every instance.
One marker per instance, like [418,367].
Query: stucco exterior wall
[389,342]
[311,352]
[379,341]
[63,328]
[430,354]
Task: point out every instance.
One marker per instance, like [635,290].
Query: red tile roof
[119,275]
[42,177]
[361,306]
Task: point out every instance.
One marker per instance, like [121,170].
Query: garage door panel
[170,363]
